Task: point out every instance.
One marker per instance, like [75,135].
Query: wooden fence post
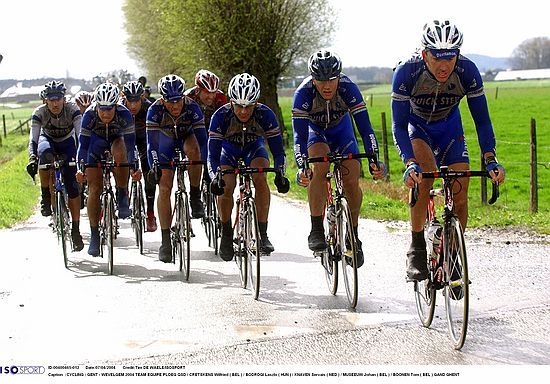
[371,97]
[483,181]
[496,93]
[21,127]
[4,124]
[385,146]
[534,200]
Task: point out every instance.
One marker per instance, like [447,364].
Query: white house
[527,74]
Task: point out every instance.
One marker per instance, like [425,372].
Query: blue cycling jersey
[311,111]
[164,130]
[239,139]
[93,128]
[419,101]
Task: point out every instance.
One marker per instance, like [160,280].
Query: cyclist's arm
[300,125]
[77,120]
[482,121]
[85,134]
[129,132]
[401,109]
[200,133]
[275,140]
[216,135]
[34,134]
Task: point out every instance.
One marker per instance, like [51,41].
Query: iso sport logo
[22,370]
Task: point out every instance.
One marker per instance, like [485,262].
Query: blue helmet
[171,87]
[53,90]
[324,65]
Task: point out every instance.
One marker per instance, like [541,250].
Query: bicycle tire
[348,251]
[60,212]
[137,214]
[175,234]
[205,220]
[329,260]
[457,282]
[425,292]
[109,231]
[185,237]
[215,224]
[240,256]
[252,247]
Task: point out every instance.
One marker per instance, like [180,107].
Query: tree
[532,54]
[262,37]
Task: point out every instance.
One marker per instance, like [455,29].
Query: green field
[511,105]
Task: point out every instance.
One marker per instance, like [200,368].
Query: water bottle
[434,238]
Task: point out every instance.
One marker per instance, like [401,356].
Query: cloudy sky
[84,38]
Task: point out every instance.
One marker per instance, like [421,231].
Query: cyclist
[147,93]
[137,104]
[173,121]
[83,99]
[54,127]
[236,132]
[106,125]
[322,124]
[427,127]
[207,94]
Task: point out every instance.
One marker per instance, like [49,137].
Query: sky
[84,38]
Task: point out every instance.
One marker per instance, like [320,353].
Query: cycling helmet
[53,90]
[324,65]
[132,90]
[171,87]
[83,98]
[207,80]
[441,35]
[244,89]
[106,95]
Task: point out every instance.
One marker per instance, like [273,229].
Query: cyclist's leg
[317,190]
[258,158]
[456,158]
[422,145]
[150,188]
[68,148]
[45,156]
[95,184]
[228,159]
[118,149]
[193,152]
[164,207]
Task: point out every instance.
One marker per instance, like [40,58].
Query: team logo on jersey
[305,105]
[451,86]
[474,83]
[402,87]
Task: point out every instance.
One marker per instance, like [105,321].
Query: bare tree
[532,54]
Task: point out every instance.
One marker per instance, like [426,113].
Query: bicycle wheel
[138,214]
[61,224]
[241,257]
[348,250]
[252,246]
[110,228]
[205,220]
[425,294]
[329,258]
[457,289]
[186,236]
[215,224]
[175,234]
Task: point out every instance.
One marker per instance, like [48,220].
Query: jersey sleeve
[301,106]
[152,123]
[86,123]
[199,129]
[401,109]
[34,134]
[216,134]
[274,138]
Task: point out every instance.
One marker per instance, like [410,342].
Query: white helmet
[441,35]
[106,94]
[244,89]
[84,98]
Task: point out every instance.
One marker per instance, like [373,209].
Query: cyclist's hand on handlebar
[378,170]
[135,174]
[413,174]
[496,171]
[216,186]
[303,177]
[32,166]
[80,177]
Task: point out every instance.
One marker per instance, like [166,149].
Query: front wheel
[329,257]
[107,229]
[252,246]
[457,291]
[138,216]
[185,236]
[348,250]
[61,224]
